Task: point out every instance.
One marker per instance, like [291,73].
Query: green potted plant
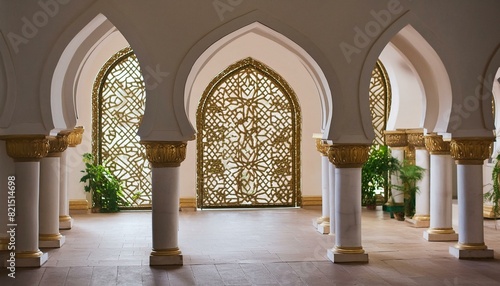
[493,195]
[409,175]
[375,173]
[105,188]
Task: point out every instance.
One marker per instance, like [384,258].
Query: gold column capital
[396,138]
[436,145]
[470,150]
[26,148]
[75,136]
[57,144]
[322,147]
[162,154]
[416,138]
[348,155]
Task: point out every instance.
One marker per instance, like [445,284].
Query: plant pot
[371,207]
[96,209]
[400,216]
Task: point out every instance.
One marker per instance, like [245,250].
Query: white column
[397,195]
[441,164]
[470,155]
[65,220]
[348,160]
[27,152]
[165,158]
[422,198]
[331,183]
[324,220]
[49,203]
[165,209]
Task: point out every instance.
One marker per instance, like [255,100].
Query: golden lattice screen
[380,101]
[118,106]
[248,123]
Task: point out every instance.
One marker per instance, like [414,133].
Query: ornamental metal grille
[380,101]
[118,106]
[248,143]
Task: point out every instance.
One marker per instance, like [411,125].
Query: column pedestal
[440,226]
[165,158]
[348,160]
[469,154]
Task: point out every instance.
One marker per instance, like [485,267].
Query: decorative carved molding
[26,148]
[162,154]
[416,138]
[75,137]
[348,155]
[322,147]
[436,145]
[470,151]
[58,144]
[396,138]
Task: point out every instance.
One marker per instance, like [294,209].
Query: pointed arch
[490,88]
[249,124]
[430,62]
[264,25]
[62,68]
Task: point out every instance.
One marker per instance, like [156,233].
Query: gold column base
[29,254]
[471,246]
[348,250]
[166,252]
[422,217]
[49,237]
[441,230]
[64,218]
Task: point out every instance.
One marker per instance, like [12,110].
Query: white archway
[289,60]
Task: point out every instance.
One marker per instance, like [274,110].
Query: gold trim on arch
[217,168]
[380,101]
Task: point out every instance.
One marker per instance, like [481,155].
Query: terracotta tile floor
[253,247]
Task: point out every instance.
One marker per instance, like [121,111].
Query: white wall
[408,96]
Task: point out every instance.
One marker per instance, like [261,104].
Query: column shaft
[441,228]
[422,201]
[165,200]
[469,154]
[397,195]
[49,203]
[324,221]
[331,189]
[65,220]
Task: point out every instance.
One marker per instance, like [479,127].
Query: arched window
[118,104]
[248,143]
[380,101]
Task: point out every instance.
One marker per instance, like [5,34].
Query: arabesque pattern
[380,101]
[249,140]
[119,102]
